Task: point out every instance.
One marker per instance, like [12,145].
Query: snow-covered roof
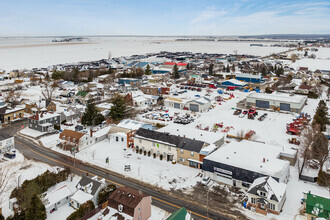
[130,124]
[201,100]
[192,133]
[245,75]
[56,196]
[81,197]
[249,155]
[275,190]
[139,99]
[236,82]
[101,132]
[275,96]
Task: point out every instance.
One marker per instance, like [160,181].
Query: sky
[165,18]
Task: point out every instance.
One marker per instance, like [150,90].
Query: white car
[205,180]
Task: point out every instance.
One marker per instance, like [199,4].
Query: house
[125,130]
[266,195]
[180,214]
[75,139]
[57,198]
[87,189]
[131,202]
[134,83]
[66,85]
[8,114]
[7,142]
[155,91]
[316,206]
[44,122]
[68,115]
[32,107]
[200,104]
[281,101]
[81,97]
[169,147]
[240,163]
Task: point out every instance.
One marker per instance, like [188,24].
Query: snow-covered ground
[20,53]
[21,169]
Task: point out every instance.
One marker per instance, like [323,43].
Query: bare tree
[13,97]
[48,91]
[6,175]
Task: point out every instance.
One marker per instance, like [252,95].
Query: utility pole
[207,201]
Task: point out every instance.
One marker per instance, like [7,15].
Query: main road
[164,201]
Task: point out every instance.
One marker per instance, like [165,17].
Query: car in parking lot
[205,180]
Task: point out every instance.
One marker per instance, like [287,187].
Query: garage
[177,105]
[194,107]
[262,104]
[285,107]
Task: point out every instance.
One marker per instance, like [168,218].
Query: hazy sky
[156,17]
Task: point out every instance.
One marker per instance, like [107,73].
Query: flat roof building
[281,101]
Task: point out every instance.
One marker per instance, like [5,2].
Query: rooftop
[249,155]
[285,97]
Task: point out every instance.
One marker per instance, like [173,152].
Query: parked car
[205,180]
[238,111]
[10,155]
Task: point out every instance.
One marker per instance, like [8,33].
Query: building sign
[216,169]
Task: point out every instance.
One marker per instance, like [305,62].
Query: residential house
[82,97]
[68,115]
[131,202]
[200,104]
[8,114]
[33,107]
[7,142]
[56,198]
[267,195]
[87,189]
[170,147]
[44,122]
[75,139]
[316,207]
[180,214]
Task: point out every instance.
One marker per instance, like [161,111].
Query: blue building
[233,83]
[250,78]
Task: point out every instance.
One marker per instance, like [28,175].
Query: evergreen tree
[36,209]
[227,68]
[120,109]
[211,69]
[176,74]
[233,68]
[147,71]
[92,116]
[321,115]
[263,71]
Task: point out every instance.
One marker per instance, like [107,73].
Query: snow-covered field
[20,53]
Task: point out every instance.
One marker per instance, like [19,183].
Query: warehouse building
[233,83]
[281,101]
[240,163]
[250,78]
[200,104]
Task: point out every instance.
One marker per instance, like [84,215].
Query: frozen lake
[20,53]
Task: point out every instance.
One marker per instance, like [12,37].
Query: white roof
[139,99]
[201,100]
[130,124]
[236,82]
[56,196]
[47,116]
[249,155]
[284,97]
[272,187]
[248,76]
[192,133]
[81,197]
[101,132]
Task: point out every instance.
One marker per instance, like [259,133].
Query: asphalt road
[161,200]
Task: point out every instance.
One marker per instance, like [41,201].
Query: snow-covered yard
[21,169]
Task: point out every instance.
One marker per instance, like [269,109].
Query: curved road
[159,199]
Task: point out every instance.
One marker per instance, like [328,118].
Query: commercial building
[249,78]
[196,105]
[240,163]
[316,207]
[281,101]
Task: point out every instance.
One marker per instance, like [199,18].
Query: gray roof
[261,187]
[4,136]
[179,142]
[85,181]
